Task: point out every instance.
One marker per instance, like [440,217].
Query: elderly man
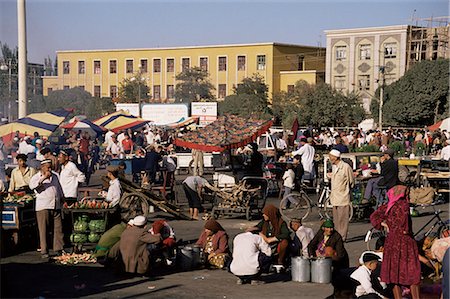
[70,176]
[21,175]
[342,181]
[48,206]
[303,235]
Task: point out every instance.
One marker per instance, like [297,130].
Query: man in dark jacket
[152,158]
[253,165]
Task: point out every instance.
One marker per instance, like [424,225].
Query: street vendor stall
[19,218]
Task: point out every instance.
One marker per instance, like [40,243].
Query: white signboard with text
[164,114]
[206,111]
[131,108]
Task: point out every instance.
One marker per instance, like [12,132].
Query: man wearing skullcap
[342,181]
[70,176]
[363,276]
[49,194]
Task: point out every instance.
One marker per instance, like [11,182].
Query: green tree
[250,98]
[130,88]
[418,98]
[194,86]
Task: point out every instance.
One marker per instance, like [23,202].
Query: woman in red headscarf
[275,232]
[400,266]
[214,241]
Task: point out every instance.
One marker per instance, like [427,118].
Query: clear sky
[54,25]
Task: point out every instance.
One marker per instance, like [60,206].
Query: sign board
[131,108]
[164,114]
[205,111]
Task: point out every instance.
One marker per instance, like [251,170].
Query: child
[288,180]
[363,276]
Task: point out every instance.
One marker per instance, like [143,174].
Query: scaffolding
[428,39]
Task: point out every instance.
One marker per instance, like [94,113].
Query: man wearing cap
[49,194]
[342,181]
[445,152]
[303,235]
[133,245]
[70,176]
[114,148]
[21,175]
[388,177]
[307,152]
[47,153]
[363,276]
[38,144]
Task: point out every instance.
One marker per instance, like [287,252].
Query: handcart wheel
[133,204]
[248,213]
[215,213]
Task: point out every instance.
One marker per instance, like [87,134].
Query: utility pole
[22,43]
[380,112]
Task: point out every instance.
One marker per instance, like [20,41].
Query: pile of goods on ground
[19,197]
[88,204]
[75,258]
[238,195]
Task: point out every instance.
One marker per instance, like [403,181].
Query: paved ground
[25,275]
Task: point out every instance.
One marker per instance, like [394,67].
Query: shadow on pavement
[49,280]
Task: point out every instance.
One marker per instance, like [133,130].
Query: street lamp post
[380,112]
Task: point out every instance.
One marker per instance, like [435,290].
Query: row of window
[170,91]
[170,65]
[363,81]
[365,51]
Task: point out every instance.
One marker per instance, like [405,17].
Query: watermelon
[93,237]
[80,226]
[78,238]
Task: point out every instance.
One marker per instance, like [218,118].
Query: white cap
[335,153]
[39,141]
[139,220]
[131,222]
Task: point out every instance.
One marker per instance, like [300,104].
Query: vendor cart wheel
[248,213]
[132,205]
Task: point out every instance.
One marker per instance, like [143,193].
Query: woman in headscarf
[275,232]
[214,241]
[400,266]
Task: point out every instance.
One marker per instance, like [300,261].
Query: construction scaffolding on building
[428,39]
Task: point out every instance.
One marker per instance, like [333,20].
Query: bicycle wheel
[295,205]
[327,210]
[372,236]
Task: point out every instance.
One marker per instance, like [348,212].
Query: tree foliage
[130,88]
[418,98]
[80,100]
[194,86]
[317,105]
[250,98]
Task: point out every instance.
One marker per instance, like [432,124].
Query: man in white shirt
[114,148]
[70,176]
[363,276]
[307,152]
[251,254]
[39,146]
[108,137]
[48,206]
[25,147]
[114,190]
[150,137]
[303,235]
[445,152]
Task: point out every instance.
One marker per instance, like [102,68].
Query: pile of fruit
[85,230]
[19,198]
[88,204]
[75,258]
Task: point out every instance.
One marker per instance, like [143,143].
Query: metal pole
[139,99]
[380,112]
[9,89]
[22,44]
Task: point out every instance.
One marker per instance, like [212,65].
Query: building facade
[100,72]
[359,60]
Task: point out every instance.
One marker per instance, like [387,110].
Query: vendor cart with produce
[18,219]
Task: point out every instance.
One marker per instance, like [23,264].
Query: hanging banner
[205,111]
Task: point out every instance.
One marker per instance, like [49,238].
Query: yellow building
[100,72]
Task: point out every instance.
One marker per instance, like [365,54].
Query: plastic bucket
[300,269]
[321,270]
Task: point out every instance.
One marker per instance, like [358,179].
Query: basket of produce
[75,258]
[19,198]
[89,204]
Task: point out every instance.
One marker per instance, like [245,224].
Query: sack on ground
[424,195]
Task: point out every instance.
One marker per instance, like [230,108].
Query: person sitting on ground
[275,232]
[328,243]
[251,256]
[168,244]
[303,235]
[214,241]
[133,246]
[363,276]
[107,242]
[428,268]
[21,175]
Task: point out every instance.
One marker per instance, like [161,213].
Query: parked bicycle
[299,205]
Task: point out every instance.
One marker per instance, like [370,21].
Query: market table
[18,217]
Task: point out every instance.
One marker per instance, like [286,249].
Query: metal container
[321,270]
[300,269]
[189,257]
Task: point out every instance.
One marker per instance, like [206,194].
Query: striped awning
[44,124]
[120,120]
